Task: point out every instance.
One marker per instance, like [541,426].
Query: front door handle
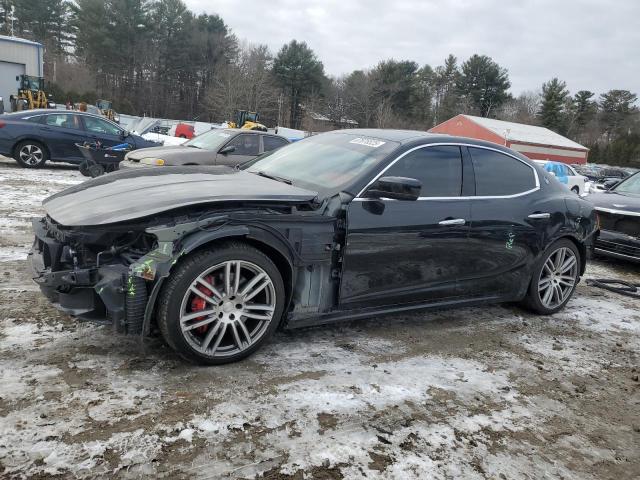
[453,221]
[540,216]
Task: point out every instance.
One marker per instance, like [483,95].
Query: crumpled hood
[615,201]
[127,195]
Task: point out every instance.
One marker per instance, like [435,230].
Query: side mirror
[609,184]
[227,149]
[396,188]
[124,134]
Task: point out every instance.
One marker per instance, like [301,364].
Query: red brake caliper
[198,303]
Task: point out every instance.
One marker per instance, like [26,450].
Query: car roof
[54,111]
[410,138]
[239,131]
[391,135]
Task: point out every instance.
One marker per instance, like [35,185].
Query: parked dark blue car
[32,137]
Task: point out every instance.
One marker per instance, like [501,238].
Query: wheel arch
[32,139]
[267,243]
[582,250]
[280,252]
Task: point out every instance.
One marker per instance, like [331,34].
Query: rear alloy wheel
[221,305]
[555,278]
[30,154]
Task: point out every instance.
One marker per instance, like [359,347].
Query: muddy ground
[491,392]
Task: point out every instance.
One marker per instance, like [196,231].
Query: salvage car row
[33,137]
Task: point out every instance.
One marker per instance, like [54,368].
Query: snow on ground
[488,392]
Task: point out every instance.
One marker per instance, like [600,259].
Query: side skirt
[346,315]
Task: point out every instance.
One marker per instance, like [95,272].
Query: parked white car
[566,174]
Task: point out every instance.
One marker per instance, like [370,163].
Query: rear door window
[62,120]
[498,174]
[271,143]
[246,144]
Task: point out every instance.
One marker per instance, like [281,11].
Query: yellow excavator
[106,107]
[247,121]
[31,94]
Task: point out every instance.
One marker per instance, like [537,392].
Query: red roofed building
[537,143]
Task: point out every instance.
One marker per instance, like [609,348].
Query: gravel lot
[488,392]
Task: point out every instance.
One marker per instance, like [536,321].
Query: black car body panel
[619,218]
[341,254]
[127,195]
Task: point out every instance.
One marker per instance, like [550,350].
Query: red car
[184,130]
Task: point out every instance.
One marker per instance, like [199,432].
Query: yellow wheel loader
[106,107]
[31,94]
[247,121]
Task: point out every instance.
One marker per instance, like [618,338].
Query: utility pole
[12,18]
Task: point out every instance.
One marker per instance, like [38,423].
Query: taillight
[2,124]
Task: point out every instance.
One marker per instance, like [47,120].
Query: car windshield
[631,186]
[324,162]
[211,140]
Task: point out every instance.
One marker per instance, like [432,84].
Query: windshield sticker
[369,142]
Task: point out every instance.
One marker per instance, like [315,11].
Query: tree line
[158,58]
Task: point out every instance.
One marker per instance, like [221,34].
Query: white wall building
[18,57]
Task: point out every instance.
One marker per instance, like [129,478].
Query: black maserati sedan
[341,225]
[619,216]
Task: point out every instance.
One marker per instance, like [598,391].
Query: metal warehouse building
[537,143]
[17,57]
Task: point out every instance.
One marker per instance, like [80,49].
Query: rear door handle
[540,216]
[453,221]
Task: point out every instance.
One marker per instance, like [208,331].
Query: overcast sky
[590,44]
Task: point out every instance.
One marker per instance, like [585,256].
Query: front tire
[555,278]
[30,154]
[221,305]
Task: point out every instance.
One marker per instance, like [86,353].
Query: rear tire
[241,295]
[554,278]
[30,154]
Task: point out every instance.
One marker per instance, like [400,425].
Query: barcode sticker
[368,142]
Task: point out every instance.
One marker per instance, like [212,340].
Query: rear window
[498,174]
[272,143]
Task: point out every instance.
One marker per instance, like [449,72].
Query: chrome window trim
[617,212]
[359,198]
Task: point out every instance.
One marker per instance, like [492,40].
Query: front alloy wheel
[219,306]
[227,308]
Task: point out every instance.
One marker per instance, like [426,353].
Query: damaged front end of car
[94,273]
[113,274]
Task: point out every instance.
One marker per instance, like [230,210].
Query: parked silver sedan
[217,147]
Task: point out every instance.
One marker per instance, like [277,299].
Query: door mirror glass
[227,149]
[396,188]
